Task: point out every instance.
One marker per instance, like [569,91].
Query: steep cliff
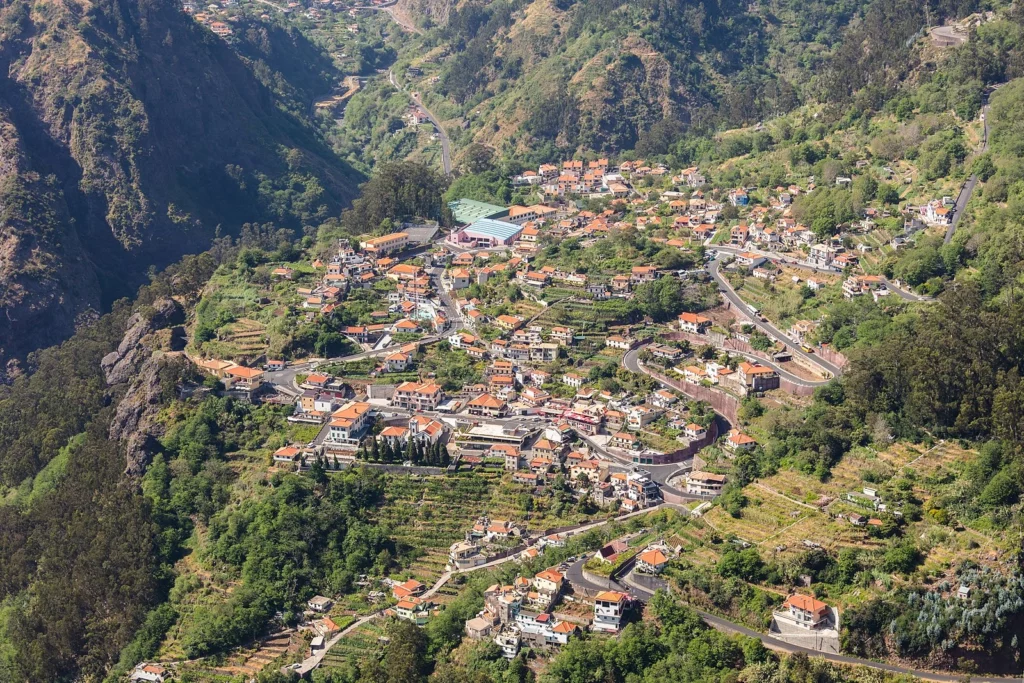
[129,136]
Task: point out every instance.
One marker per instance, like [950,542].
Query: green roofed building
[468,211]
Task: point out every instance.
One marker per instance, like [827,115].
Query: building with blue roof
[487,232]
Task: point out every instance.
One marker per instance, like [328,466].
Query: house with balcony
[417,397]
[609,610]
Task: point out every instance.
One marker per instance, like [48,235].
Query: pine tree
[375,451]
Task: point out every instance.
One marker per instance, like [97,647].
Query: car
[407,463]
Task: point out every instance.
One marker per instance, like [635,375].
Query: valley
[515,341]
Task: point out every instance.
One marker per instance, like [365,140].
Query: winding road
[729,293]
[446,143]
[401,19]
[968,188]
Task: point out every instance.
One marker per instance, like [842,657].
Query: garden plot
[764,516]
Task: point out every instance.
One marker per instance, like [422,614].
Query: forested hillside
[131,135]
[610,76]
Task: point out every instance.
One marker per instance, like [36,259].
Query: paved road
[396,16]
[646,586]
[948,35]
[968,189]
[446,144]
[729,293]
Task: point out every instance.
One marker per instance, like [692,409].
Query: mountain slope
[149,134]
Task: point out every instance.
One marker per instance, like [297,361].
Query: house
[694,431]
[411,587]
[665,351]
[562,631]
[704,483]
[413,609]
[640,416]
[651,562]
[642,274]
[396,362]
[749,259]
[663,398]
[693,323]
[241,378]
[395,434]
[694,374]
[404,271]
[319,603]
[508,322]
[379,246]
[283,273]
[486,405]
[417,397]
[511,455]
[618,342]
[610,553]
[464,555]
[757,378]
[287,454]
[935,213]
[460,278]
[348,423]
[527,478]
[738,235]
[548,582]
[609,608]
[591,469]
[573,380]
[150,673]
[562,335]
[805,611]
[508,640]
[624,440]
[479,628]
[857,285]
[821,255]
[738,441]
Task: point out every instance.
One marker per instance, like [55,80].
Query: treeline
[415,451]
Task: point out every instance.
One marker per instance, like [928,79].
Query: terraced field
[427,515]
[764,517]
[360,644]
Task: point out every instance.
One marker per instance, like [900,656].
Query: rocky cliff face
[128,136]
[138,362]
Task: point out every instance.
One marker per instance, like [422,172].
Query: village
[625,414]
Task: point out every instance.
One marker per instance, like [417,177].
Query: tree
[661,299]
[404,658]
[398,191]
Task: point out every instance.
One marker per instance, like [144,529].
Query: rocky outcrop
[138,363]
[119,366]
